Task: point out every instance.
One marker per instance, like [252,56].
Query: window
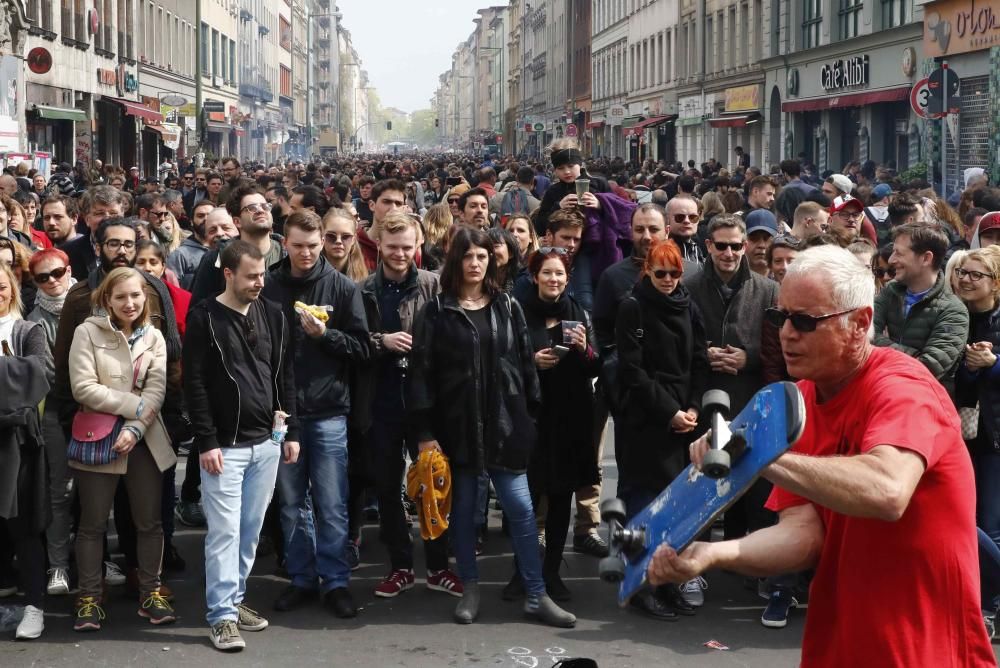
[286,82]
[709,45]
[285,33]
[731,38]
[744,33]
[894,13]
[850,18]
[107,27]
[232,62]
[812,19]
[206,66]
[215,55]
[80,20]
[129,28]
[66,19]
[668,54]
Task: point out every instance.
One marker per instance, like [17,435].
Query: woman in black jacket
[663,365]
[565,459]
[471,382]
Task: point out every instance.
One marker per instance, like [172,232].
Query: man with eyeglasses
[915,313]
[199,192]
[876,495]
[809,220]
[846,215]
[683,217]
[114,242]
[152,209]
[732,299]
[97,204]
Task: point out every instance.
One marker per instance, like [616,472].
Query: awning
[734,120]
[690,120]
[169,133]
[852,100]
[639,127]
[137,109]
[593,125]
[215,126]
[60,113]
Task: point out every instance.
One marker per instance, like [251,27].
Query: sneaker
[32,624]
[89,614]
[250,620]
[671,595]
[226,636]
[190,514]
[776,613]
[157,610]
[58,582]
[172,560]
[445,581]
[693,591]
[649,604]
[353,555]
[590,543]
[398,581]
[340,602]
[113,575]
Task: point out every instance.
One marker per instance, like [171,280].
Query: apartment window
[731,38]
[216,62]
[744,34]
[80,20]
[206,68]
[129,28]
[107,26]
[232,61]
[758,30]
[40,11]
[850,18]
[285,34]
[286,82]
[709,45]
[894,13]
[812,19]
[668,55]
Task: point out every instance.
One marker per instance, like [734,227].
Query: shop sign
[616,114]
[742,98]
[214,106]
[107,77]
[689,107]
[123,80]
[960,26]
[845,73]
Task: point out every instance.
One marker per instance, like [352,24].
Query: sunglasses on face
[721,246]
[452,200]
[254,208]
[56,274]
[882,273]
[802,322]
[663,273]
[160,214]
[334,238]
[545,250]
[680,218]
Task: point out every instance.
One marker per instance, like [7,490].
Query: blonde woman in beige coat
[118,365]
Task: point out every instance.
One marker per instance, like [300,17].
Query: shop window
[894,13]
[812,20]
[850,18]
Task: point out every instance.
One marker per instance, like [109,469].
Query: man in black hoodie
[239,381]
[324,352]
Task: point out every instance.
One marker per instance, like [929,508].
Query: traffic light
[388,125]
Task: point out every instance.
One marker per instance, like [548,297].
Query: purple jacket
[608,230]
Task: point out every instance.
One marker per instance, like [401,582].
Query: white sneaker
[58,582]
[32,624]
[113,575]
[693,591]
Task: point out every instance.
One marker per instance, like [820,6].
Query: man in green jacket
[915,313]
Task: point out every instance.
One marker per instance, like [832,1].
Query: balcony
[323,42]
[257,87]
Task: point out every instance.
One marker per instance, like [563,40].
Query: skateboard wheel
[716,464]
[715,400]
[613,509]
[612,569]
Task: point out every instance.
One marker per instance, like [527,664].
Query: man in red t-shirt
[878,494]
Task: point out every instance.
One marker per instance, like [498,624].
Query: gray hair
[851,284]
[170,196]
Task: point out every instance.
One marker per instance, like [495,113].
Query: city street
[415,630]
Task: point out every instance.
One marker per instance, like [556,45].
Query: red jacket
[182,302]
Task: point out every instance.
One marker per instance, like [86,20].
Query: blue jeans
[987,469]
[315,542]
[989,571]
[512,490]
[234,503]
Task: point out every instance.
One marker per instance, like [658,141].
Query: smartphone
[568,326]
[453,180]
[560,351]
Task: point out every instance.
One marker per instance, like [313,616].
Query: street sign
[499,139]
[571,130]
[944,82]
[539,127]
[215,106]
[920,97]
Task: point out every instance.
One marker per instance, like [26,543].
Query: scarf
[559,309]
[53,305]
[676,301]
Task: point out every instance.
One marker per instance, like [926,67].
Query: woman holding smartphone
[471,383]
[564,459]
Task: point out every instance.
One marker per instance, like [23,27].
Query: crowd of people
[300,330]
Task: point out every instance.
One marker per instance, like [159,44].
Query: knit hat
[428,482]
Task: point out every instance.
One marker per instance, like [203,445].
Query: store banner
[742,98]
[960,26]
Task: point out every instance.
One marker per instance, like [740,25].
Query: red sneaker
[394,585]
[445,581]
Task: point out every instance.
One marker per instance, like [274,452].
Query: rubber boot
[468,608]
[545,610]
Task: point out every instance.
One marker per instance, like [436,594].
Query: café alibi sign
[845,73]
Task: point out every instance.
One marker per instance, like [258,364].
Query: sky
[405,44]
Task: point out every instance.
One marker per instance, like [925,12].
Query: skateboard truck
[725,444]
[620,541]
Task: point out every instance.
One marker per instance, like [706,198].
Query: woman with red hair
[663,365]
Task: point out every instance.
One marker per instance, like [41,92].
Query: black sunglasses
[545,250]
[882,273]
[249,332]
[721,246]
[802,322]
[663,273]
[55,273]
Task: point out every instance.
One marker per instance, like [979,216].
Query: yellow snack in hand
[316,311]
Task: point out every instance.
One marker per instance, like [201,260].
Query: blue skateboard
[771,422]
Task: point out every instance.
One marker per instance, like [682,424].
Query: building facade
[610,87]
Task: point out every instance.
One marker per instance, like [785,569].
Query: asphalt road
[415,630]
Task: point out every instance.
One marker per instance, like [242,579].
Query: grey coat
[185,260]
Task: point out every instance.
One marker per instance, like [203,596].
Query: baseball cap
[881,191]
[761,219]
[844,184]
[989,221]
[841,203]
